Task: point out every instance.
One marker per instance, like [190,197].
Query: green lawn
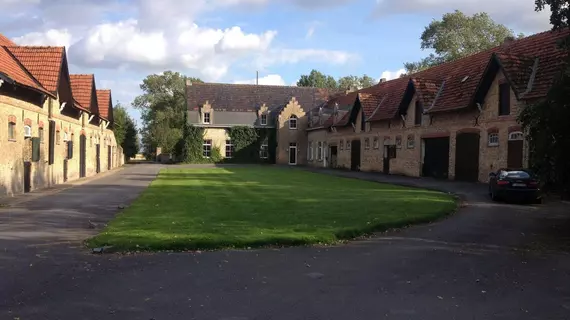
[256,206]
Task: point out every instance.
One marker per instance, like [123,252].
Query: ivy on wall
[247,143]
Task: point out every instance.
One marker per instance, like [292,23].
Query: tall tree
[544,122]
[317,79]
[162,107]
[125,130]
[457,35]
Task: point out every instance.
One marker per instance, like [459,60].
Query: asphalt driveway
[489,261]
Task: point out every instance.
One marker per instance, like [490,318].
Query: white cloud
[270,79]
[51,37]
[310,32]
[163,34]
[519,14]
[389,75]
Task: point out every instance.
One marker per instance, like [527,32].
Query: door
[82,156]
[355,155]
[109,158]
[98,158]
[435,162]
[27,176]
[65,170]
[467,157]
[292,153]
[334,156]
[515,150]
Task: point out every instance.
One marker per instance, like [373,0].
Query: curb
[7,202]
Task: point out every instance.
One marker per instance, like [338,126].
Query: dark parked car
[514,184]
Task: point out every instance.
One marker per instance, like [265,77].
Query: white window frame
[516,135]
[230,144]
[310,152]
[366,143]
[27,131]
[293,120]
[493,139]
[207,143]
[399,142]
[264,151]
[348,144]
[65,138]
[263,119]
[376,143]
[320,150]
[410,143]
[207,116]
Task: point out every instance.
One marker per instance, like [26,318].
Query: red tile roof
[104,100]
[452,85]
[82,87]
[10,66]
[44,63]
[4,41]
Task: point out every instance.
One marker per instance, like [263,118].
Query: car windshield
[515,174]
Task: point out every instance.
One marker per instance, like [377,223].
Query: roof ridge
[37,47]
[253,85]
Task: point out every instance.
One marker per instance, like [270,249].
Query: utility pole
[256,77]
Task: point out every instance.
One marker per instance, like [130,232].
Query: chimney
[508,40]
[256,77]
[382,80]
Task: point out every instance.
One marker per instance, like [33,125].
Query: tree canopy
[162,107]
[317,79]
[545,122]
[126,132]
[457,35]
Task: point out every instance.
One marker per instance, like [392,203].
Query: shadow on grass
[254,207]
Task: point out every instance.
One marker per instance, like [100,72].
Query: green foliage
[216,155]
[319,80]
[189,147]
[457,35]
[162,105]
[125,131]
[546,121]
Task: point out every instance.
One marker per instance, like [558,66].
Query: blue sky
[122,41]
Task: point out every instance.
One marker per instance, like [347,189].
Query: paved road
[489,261]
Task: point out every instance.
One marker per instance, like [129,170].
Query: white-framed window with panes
[493,139]
[207,148]
[263,120]
[320,150]
[229,149]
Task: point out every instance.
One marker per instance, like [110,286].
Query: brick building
[457,120]
[57,127]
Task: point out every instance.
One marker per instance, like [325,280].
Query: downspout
[531,79]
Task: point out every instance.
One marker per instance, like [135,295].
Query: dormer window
[263,120]
[206,117]
[293,122]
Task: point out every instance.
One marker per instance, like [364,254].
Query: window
[320,150]
[517,135]
[264,151]
[206,117]
[41,134]
[367,143]
[65,137]
[341,144]
[504,99]
[419,110]
[411,141]
[493,139]
[375,143]
[398,142]
[207,148]
[348,144]
[367,127]
[11,131]
[57,137]
[27,131]
[310,152]
[263,119]
[293,122]
[229,149]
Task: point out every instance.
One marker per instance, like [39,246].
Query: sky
[123,41]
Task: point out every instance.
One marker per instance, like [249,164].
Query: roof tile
[44,63]
[4,41]
[10,66]
[82,89]
[104,100]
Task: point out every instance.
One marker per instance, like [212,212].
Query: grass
[211,208]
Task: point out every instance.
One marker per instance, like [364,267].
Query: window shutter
[51,158]
[69,149]
[35,149]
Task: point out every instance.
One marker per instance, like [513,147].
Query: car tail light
[533,184]
[502,182]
